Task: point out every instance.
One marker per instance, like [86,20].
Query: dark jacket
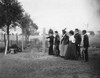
[51,40]
[65,39]
[78,39]
[57,40]
[86,41]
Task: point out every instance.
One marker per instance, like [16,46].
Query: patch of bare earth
[41,65]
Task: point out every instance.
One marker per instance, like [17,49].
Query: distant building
[91,33]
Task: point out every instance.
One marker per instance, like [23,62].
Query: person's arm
[76,39]
[54,42]
[84,41]
[48,37]
[80,39]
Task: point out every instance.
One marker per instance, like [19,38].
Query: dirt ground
[40,65]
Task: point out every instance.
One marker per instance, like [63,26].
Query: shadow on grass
[94,63]
[2,50]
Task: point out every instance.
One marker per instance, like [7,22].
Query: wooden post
[22,42]
[43,40]
[11,39]
[17,39]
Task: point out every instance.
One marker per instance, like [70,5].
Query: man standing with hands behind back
[57,42]
[85,44]
[78,40]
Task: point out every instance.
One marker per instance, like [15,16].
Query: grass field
[40,65]
[33,64]
[95,40]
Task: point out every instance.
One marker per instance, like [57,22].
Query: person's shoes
[86,61]
[62,56]
[57,55]
[65,59]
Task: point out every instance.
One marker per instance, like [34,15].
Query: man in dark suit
[77,42]
[57,42]
[85,44]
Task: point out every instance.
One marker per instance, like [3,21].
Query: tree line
[12,14]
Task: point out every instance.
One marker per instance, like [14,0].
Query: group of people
[69,43]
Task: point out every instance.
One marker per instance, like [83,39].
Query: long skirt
[50,50]
[71,52]
[63,49]
[56,50]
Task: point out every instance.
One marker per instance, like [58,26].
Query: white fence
[37,42]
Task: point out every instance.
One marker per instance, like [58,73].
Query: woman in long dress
[51,42]
[64,43]
[71,50]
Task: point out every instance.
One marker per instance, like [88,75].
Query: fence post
[22,42]
[17,39]
[5,40]
[43,50]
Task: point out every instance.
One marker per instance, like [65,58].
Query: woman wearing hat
[71,50]
[64,43]
[51,42]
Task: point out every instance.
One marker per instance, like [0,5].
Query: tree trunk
[17,39]
[27,38]
[7,41]
[6,47]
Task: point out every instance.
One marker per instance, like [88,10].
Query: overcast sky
[58,14]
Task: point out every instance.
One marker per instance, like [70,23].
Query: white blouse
[72,39]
